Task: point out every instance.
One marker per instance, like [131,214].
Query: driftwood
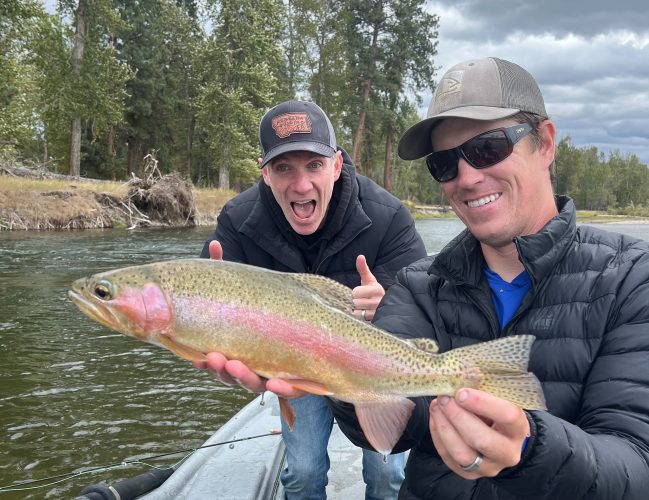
[166,199]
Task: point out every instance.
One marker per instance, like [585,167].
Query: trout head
[139,310]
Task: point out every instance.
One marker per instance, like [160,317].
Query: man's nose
[467,174]
[301,182]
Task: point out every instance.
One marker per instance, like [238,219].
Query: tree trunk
[387,168]
[360,130]
[366,85]
[112,152]
[81,32]
[224,178]
[190,143]
[133,156]
[75,147]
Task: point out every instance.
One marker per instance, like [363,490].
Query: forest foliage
[90,87]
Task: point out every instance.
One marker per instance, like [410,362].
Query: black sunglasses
[482,151]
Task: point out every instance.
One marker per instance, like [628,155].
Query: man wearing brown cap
[313,213]
[522,266]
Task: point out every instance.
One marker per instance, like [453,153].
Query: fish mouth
[94,309]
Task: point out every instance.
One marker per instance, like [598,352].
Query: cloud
[590,58]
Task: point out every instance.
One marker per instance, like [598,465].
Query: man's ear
[264,174]
[547,133]
[338,165]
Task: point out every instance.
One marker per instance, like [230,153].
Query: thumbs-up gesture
[216,250]
[367,296]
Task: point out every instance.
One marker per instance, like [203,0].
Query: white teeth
[483,201]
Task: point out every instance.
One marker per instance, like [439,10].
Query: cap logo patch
[450,84]
[291,123]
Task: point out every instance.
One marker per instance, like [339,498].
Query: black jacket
[363,218]
[589,310]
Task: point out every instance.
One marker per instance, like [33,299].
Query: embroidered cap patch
[291,123]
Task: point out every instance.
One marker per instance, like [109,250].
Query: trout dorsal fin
[329,291]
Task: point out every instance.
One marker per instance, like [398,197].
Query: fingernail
[462,396]
[444,400]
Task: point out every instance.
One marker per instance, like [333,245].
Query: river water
[76,396]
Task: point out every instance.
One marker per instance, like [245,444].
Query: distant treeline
[99,85]
[618,183]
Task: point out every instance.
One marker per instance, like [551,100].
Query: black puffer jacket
[363,219]
[589,310]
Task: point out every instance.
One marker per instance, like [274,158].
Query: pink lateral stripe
[299,335]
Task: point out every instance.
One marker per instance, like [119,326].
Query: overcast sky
[590,58]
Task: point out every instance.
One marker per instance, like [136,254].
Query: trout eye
[104,290]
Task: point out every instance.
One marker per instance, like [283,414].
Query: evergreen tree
[390,49]
[239,79]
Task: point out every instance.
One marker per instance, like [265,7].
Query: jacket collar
[462,260]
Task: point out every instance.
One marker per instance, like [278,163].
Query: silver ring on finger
[473,466]
[363,315]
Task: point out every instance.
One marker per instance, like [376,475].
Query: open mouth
[485,200]
[303,209]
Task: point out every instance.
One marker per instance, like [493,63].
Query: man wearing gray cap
[312,213]
[522,266]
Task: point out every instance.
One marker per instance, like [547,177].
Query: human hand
[234,372]
[368,294]
[216,250]
[477,424]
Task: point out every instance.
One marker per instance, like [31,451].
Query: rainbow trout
[300,327]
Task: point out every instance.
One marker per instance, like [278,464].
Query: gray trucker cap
[479,89]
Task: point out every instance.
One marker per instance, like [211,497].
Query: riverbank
[56,202]
[61,202]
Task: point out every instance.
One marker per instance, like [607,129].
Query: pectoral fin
[287,412]
[383,422]
[310,386]
[181,350]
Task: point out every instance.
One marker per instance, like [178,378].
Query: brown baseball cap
[478,89]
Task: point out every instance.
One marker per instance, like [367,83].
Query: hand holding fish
[480,429]
[367,296]
[234,372]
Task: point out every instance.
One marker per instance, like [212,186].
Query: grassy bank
[29,203]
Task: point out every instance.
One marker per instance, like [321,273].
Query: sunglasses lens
[442,165]
[487,149]
[482,151]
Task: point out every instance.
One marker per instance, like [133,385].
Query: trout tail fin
[503,370]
